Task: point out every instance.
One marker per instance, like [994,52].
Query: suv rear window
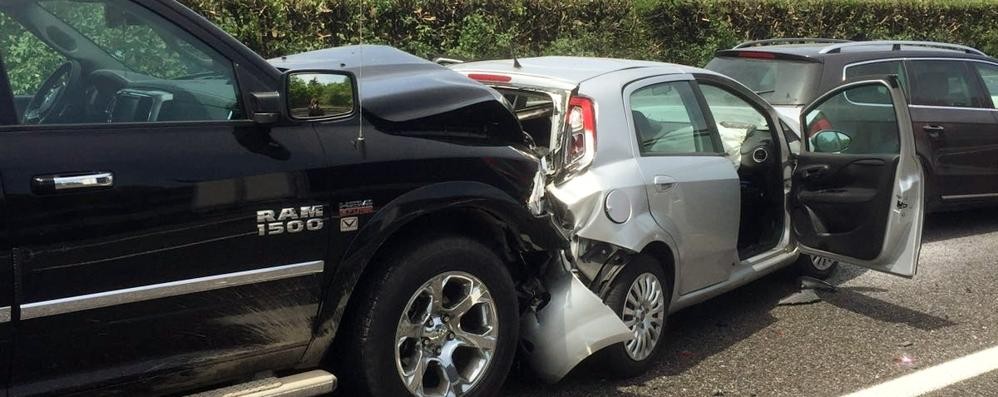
[778,81]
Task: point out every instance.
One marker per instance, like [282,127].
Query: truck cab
[180,214]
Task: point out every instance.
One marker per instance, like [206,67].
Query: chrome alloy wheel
[447,336]
[822,264]
[644,314]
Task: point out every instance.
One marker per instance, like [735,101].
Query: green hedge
[684,31]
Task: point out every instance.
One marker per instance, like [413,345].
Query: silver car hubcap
[644,313]
[822,264]
[447,336]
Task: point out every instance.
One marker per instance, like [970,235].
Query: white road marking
[934,378]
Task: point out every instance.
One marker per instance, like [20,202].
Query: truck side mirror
[320,94]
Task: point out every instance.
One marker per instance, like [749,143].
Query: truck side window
[110,61]
[668,120]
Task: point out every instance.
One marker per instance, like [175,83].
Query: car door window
[736,120]
[989,75]
[944,83]
[840,125]
[668,120]
[109,61]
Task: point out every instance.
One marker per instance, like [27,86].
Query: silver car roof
[572,70]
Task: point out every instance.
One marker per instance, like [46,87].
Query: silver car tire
[640,295]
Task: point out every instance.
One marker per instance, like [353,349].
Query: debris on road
[802,297]
[816,284]
[807,293]
[905,361]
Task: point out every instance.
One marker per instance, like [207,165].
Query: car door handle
[664,183]
[69,182]
[934,131]
[813,172]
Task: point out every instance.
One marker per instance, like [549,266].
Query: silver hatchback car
[681,184]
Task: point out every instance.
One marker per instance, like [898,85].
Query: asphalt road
[875,328]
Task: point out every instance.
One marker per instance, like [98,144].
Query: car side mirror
[829,141]
[320,94]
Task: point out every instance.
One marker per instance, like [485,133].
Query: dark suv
[180,214]
[953,91]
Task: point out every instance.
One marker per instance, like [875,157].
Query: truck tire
[440,317]
[640,295]
[816,266]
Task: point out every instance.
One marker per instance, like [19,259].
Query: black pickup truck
[180,215]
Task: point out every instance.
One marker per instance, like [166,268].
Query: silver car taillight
[580,124]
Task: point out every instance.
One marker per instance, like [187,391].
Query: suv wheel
[640,295]
[816,266]
[441,321]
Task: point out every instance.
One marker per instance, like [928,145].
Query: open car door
[857,191]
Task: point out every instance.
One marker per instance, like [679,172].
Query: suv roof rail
[896,46]
[789,40]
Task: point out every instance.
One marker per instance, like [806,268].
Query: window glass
[778,81]
[668,120]
[989,74]
[839,125]
[943,83]
[736,120]
[877,69]
[27,59]
[109,61]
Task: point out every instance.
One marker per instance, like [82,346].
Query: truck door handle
[70,182]
[934,131]
[664,183]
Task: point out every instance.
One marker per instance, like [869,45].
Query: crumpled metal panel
[572,326]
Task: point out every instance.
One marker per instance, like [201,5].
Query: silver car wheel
[644,314]
[822,264]
[447,336]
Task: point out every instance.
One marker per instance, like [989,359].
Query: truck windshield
[780,82]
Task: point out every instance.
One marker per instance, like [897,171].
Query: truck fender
[531,231]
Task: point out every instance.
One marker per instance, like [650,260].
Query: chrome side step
[307,384]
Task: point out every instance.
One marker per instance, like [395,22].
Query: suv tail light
[580,126]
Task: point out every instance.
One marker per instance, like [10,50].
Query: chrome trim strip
[4,314]
[165,290]
[970,196]
[952,108]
